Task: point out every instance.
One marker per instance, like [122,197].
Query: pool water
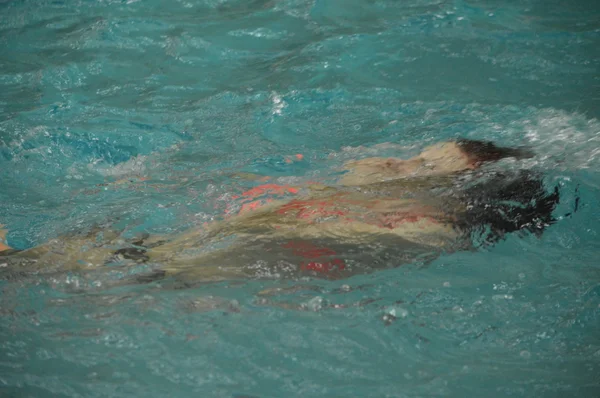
[138,114]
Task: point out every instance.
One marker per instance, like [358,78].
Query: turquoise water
[185,93]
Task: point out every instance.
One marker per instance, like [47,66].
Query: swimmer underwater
[384,212]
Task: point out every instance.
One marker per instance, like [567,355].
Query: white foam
[562,140]
[135,165]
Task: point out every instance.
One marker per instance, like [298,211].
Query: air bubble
[498,297]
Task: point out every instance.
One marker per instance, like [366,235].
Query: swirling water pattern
[178,92]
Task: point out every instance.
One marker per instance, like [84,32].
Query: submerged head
[465,154]
[480,152]
[500,203]
[496,204]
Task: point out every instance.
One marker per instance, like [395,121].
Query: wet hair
[508,203]
[480,152]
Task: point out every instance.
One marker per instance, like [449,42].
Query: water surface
[182,93]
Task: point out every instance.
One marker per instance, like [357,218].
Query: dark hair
[504,203]
[485,151]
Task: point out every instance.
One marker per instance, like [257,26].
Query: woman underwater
[384,212]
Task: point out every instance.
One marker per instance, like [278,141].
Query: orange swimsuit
[312,210]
